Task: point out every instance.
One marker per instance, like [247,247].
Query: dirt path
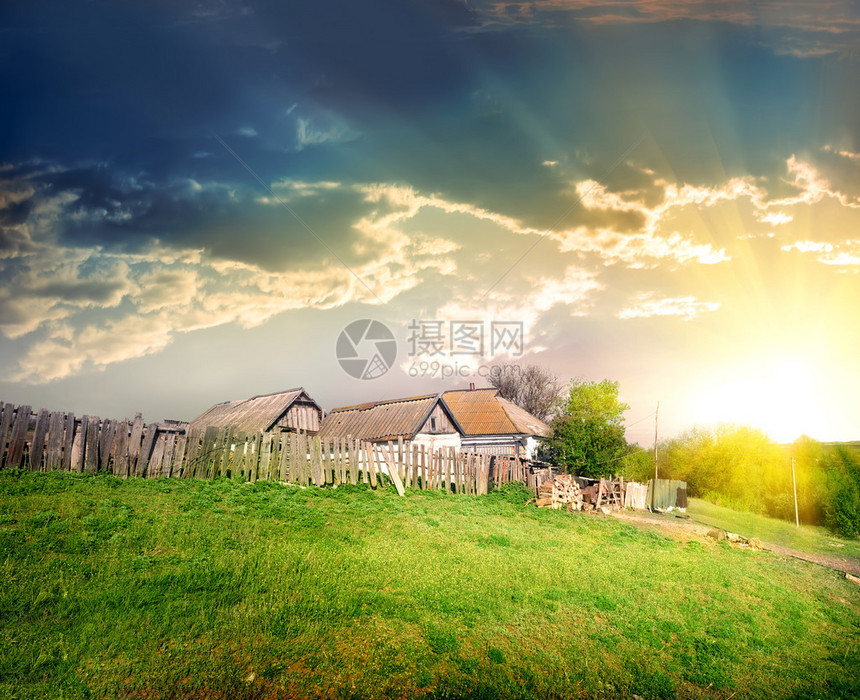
[677,527]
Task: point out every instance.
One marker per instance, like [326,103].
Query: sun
[780,395]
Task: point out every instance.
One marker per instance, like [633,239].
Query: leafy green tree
[842,509]
[637,464]
[588,437]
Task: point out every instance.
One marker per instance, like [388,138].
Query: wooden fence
[57,441]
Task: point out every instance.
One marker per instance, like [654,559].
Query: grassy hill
[808,538]
[183,589]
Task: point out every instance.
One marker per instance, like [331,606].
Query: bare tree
[533,388]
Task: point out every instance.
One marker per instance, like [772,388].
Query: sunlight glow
[778,395]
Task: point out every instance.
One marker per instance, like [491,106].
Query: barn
[493,425]
[418,419]
[284,411]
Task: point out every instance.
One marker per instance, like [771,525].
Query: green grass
[808,538]
[184,589]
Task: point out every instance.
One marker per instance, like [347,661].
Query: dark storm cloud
[124,213]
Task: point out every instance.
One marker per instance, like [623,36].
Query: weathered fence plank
[91,449]
[105,440]
[120,450]
[54,456]
[37,447]
[17,441]
[146,447]
[157,457]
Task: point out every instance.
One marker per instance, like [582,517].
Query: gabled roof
[484,412]
[254,415]
[382,420]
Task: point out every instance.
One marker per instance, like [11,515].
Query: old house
[290,410]
[419,419]
[494,425]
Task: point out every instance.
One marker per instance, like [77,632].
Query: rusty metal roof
[484,412]
[380,420]
[257,414]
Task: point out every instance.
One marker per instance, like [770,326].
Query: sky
[205,201]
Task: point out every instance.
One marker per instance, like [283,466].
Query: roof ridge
[381,402]
[275,393]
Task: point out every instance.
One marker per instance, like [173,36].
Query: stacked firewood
[563,491]
[560,492]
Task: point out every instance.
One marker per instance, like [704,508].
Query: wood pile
[563,491]
[560,492]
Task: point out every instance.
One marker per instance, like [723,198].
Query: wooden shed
[494,425]
[290,410]
[418,419]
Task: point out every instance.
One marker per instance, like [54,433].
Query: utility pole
[794,486]
[654,486]
[656,413]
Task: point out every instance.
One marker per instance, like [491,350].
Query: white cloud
[310,134]
[841,152]
[842,254]
[648,304]
[775,218]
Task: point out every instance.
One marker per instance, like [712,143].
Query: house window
[432,424]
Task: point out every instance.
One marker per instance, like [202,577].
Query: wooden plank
[237,460]
[400,465]
[68,441]
[179,455]
[91,450]
[370,463]
[305,475]
[253,462]
[265,455]
[485,476]
[134,444]
[329,476]
[237,455]
[106,431]
[192,453]
[37,448]
[224,460]
[120,449]
[353,461]
[18,440]
[343,448]
[431,471]
[333,460]
[150,433]
[167,461]
[7,410]
[284,459]
[216,454]
[275,459]
[393,471]
[76,454]
[316,461]
[204,460]
[157,458]
[294,458]
[54,457]
[449,469]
